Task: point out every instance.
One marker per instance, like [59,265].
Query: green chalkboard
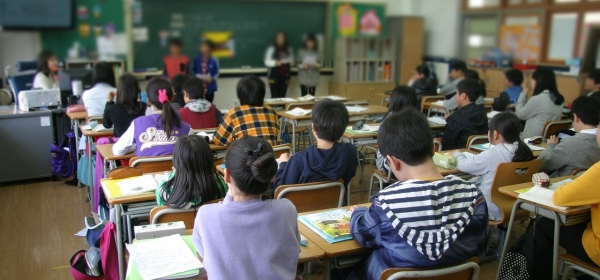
[110,12]
[253,24]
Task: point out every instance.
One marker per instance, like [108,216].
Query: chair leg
[501,239]
[371,185]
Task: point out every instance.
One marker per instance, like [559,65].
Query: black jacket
[501,102]
[466,121]
[425,86]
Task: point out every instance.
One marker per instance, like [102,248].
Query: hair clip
[162,96]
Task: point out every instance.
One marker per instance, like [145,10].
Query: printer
[39,99]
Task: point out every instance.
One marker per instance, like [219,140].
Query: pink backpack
[108,255]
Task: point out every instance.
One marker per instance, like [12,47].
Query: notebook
[437,120]
[364,129]
[307,97]
[332,225]
[492,114]
[542,196]
[299,112]
[355,109]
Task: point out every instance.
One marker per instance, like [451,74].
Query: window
[565,1]
[482,33]
[562,36]
[521,20]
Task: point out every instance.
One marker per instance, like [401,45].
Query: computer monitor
[67,76]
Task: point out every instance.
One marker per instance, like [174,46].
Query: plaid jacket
[248,120]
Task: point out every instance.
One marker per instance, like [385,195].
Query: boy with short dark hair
[576,152]
[513,79]
[176,62]
[251,118]
[408,224]
[198,112]
[592,82]
[469,119]
[329,160]
[457,74]
[206,67]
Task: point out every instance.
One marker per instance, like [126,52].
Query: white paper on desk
[333,97]
[100,127]
[205,134]
[437,120]
[203,76]
[439,102]
[367,128]
[536,148]
[284,99]
[355,109]
[163,256]
[492,114]
[307,97]
[299,112]
[136,185]
[541,196]
[557,185]
[160,178]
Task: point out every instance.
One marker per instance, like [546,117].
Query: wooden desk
[332,250]
[567,217]
[536,154]
[77,115]
[90,134]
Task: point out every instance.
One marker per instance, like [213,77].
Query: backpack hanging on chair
[64,158]
[519,261]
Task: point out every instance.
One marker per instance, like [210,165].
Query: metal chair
[313,196]
[467,270]
[572,264]
[476,139]
[166,214]
[430,98]
[302,128]
[553,126]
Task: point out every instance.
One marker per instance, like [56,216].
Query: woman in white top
[103,79]
[47,67]
[545,104]
[279,59]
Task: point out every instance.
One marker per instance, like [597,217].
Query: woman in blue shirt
[206,68]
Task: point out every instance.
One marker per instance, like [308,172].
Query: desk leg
[120,256]
[510,224]
[90,188]
[327,269]
[76,132]
[305,272]
[555,247]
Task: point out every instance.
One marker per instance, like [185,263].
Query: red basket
[525,67]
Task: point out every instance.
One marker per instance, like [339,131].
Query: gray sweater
[536,112]
[310,76]
[576,152]
[484,165]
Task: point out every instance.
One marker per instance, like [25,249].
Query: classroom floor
[40,217]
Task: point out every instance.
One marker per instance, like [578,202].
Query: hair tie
[162,96]
[254,153]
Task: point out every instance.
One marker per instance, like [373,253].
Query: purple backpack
[64,157]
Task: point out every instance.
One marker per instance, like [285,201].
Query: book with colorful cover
[333,225]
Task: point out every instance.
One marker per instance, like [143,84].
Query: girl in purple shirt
[244,236]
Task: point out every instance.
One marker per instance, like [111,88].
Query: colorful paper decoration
[163,35]
[224,43]
[370,24]
[84,30]
[98,30]
[82,12]
[109,29]
[347,17]
[97,11]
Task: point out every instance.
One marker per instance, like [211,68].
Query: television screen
[36,14]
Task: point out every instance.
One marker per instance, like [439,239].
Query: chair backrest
[166,214]
[553,126]
[477,139]
[357,103]
[303,105]
[437,146]
[467,270]
[430,98]
[152,164]
[512,173]
[313,196]
[94,118]
[488,109]
[124,172]
[281,149]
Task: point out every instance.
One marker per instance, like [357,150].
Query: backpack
[64,157]
[519,261]
[109,263]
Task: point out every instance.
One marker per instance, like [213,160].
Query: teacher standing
[308,67]
[279,59]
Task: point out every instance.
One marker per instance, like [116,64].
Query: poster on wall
[358,19]
[521,41]
[223,41]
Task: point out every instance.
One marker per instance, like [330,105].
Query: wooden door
[411,47]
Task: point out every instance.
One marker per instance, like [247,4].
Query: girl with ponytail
[155,134]
[505,146]
[238,228]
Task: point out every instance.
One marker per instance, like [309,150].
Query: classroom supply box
[30,100]
[444,160]
[159,230]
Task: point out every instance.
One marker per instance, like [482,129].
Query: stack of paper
[284,99]
[535,148]
[90,125]
[541,196]
[137,185]
[355,109]
[492,114]
[307,97]
[437,120]
[166,256]
[299,112]
[99,128]
[205,134]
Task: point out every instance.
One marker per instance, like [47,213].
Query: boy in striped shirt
[425,219]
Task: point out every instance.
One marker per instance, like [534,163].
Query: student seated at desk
[581,240]
[194,179]
[408,224]
[95,98]
[47,68]
[469,119]
[251,118]
[423,81]
[177,83]
[545,104]
[508,147]
[245,237]
[155,134]
[401,97]
[576,152]
[127,108]
[329,160]
[457,74]
[592,82]
[451,104]
[198,112]
[513,79]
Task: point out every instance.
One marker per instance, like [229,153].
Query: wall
[17,46]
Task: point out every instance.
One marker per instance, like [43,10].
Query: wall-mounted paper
[140,34]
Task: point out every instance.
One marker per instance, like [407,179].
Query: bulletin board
[357,20]
[522,41]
